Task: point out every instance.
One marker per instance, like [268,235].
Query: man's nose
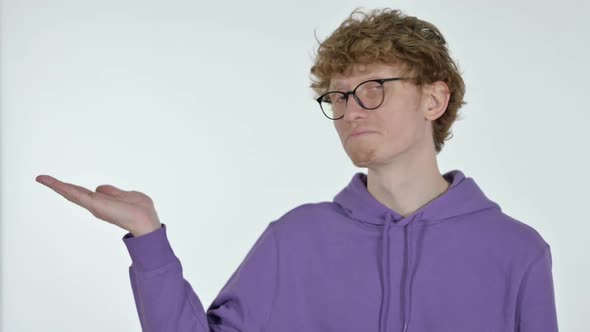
[353,108]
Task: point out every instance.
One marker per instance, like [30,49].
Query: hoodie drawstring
[385,273]
[407,304]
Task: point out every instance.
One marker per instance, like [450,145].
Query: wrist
[146,229]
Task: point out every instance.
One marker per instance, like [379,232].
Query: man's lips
[359,132]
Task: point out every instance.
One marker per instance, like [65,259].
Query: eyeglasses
[369,95]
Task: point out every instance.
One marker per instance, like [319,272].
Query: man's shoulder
[512,233]
[307,215]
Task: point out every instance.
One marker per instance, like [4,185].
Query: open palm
[130,210]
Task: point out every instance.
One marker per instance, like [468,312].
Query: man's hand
[130,210]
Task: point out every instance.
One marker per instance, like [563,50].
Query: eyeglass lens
[370,94]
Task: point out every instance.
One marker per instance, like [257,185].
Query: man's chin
[362,158]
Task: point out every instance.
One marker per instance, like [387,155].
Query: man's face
[394,127]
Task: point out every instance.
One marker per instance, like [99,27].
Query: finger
[98,204]
[110,190]
[73,193]
[56,184]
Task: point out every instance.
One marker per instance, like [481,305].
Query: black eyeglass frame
[353,93]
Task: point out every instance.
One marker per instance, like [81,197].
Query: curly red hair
[390,37]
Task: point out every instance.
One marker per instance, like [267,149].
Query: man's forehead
[357,72]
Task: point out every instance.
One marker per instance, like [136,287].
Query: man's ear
[437,97]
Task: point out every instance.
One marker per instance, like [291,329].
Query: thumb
[109,190]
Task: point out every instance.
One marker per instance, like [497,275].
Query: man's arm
[166,302]
[536,310]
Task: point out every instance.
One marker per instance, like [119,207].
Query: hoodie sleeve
[536,305]
[166,302]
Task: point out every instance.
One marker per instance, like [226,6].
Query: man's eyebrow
[335,87]
[339,85]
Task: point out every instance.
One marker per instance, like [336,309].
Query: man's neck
[407,188]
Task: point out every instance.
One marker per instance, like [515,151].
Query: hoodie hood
[462,197]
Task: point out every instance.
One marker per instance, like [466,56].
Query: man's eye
[373,87]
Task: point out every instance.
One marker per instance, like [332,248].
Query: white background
[206,108]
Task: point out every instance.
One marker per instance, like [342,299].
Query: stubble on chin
[362,157]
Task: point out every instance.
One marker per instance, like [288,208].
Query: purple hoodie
[458,264]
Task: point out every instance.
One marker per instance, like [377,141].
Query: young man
[401,248]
